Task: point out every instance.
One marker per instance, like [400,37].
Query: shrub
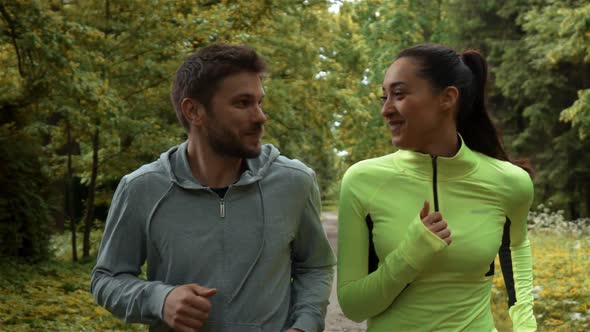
[543,219]
[24,214]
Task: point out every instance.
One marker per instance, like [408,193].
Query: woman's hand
[435,223]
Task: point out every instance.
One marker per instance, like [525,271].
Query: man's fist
[187,307]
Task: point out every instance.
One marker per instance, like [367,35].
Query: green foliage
[296,41]
[561,291]
[104,67]
[61,246]
[383,28]
[579,114]
[559,36]
[24,212]
[52,296]
[92,79]
[537,52]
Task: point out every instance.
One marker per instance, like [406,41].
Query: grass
[54,295]
[330,206]
[561,287]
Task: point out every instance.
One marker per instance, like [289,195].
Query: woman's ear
[449,98]
[193,111]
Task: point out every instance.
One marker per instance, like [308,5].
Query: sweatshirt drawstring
[153,211]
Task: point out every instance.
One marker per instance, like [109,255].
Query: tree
[25,216]
[105,109]
[83,103]
[383,29]
[538,54]
[24,207]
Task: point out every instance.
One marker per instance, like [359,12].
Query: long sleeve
[313,268]
[520,281]
[115,283]
[363,295]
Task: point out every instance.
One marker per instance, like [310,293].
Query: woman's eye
[396,95]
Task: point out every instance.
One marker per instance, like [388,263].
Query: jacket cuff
[522,317]
[158,298]
[306,323]
[420,245]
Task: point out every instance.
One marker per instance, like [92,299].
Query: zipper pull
[222,208]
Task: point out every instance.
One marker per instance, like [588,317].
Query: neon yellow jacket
[394,272]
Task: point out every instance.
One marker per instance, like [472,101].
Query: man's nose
[260,116]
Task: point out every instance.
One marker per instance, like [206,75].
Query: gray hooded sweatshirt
[262,246]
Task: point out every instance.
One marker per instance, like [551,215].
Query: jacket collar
[463,163]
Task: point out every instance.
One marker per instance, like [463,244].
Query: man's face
[234,122]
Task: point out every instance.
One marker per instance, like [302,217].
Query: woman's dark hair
[200,74]
[468,72]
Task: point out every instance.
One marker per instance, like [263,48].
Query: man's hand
[187,307]
[294,330]
[435,223]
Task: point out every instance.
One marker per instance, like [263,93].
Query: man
[229,228]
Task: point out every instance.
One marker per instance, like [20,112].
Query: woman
[419,229]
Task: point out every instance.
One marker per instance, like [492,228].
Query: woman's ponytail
[479,68]
[474,121]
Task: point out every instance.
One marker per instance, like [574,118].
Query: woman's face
[411,106]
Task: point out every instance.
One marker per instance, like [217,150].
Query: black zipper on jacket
[434,184]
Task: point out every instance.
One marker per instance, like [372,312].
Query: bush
[546,220]
[24,214]
[561,290]
[52,295]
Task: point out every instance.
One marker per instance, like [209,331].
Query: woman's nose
[388,108]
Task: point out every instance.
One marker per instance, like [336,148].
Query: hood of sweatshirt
[175,162]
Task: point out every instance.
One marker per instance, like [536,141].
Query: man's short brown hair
[199,76]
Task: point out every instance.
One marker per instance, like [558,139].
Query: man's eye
[241,103]
[383,99]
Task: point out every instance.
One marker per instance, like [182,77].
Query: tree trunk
[573,211]
[587,196]
[89,218]
[91,193]
[69,197]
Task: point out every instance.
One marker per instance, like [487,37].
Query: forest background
[84,100]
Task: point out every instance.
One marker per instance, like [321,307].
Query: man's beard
[226,144]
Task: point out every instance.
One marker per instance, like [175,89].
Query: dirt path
[335,320]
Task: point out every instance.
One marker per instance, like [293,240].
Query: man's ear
[449,98]
[193,111]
